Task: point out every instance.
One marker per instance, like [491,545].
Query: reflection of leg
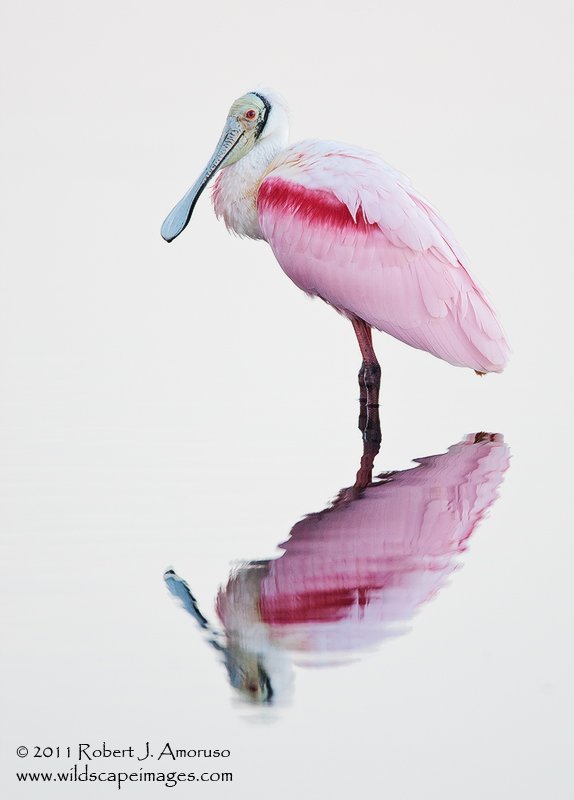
[370,427]
[370,372]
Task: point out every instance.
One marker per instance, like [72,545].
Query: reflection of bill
[355,573]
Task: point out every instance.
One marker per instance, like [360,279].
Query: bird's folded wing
[347,227]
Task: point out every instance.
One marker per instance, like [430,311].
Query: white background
[185,405]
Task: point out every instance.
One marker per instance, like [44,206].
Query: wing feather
[347,227]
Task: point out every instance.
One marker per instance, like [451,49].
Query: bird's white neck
[235,190]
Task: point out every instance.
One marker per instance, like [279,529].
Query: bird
[348,228]
[354,575]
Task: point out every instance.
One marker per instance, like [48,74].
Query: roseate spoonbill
[354,574]
[348,228]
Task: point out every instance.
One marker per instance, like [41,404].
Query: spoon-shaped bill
[179,216]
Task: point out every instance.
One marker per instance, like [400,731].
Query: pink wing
[345,226]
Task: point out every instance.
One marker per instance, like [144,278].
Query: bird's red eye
[251,114]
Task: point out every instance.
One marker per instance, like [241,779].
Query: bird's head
[252,119]
[248,674]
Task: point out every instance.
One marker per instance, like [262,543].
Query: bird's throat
[235,190]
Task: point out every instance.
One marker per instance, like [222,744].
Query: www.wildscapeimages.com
[143,775]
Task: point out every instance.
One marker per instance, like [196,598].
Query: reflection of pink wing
[356,573]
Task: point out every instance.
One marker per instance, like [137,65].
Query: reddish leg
[370,372]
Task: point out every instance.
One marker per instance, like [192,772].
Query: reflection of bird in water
[355,573]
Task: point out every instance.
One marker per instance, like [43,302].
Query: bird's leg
[370,372]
